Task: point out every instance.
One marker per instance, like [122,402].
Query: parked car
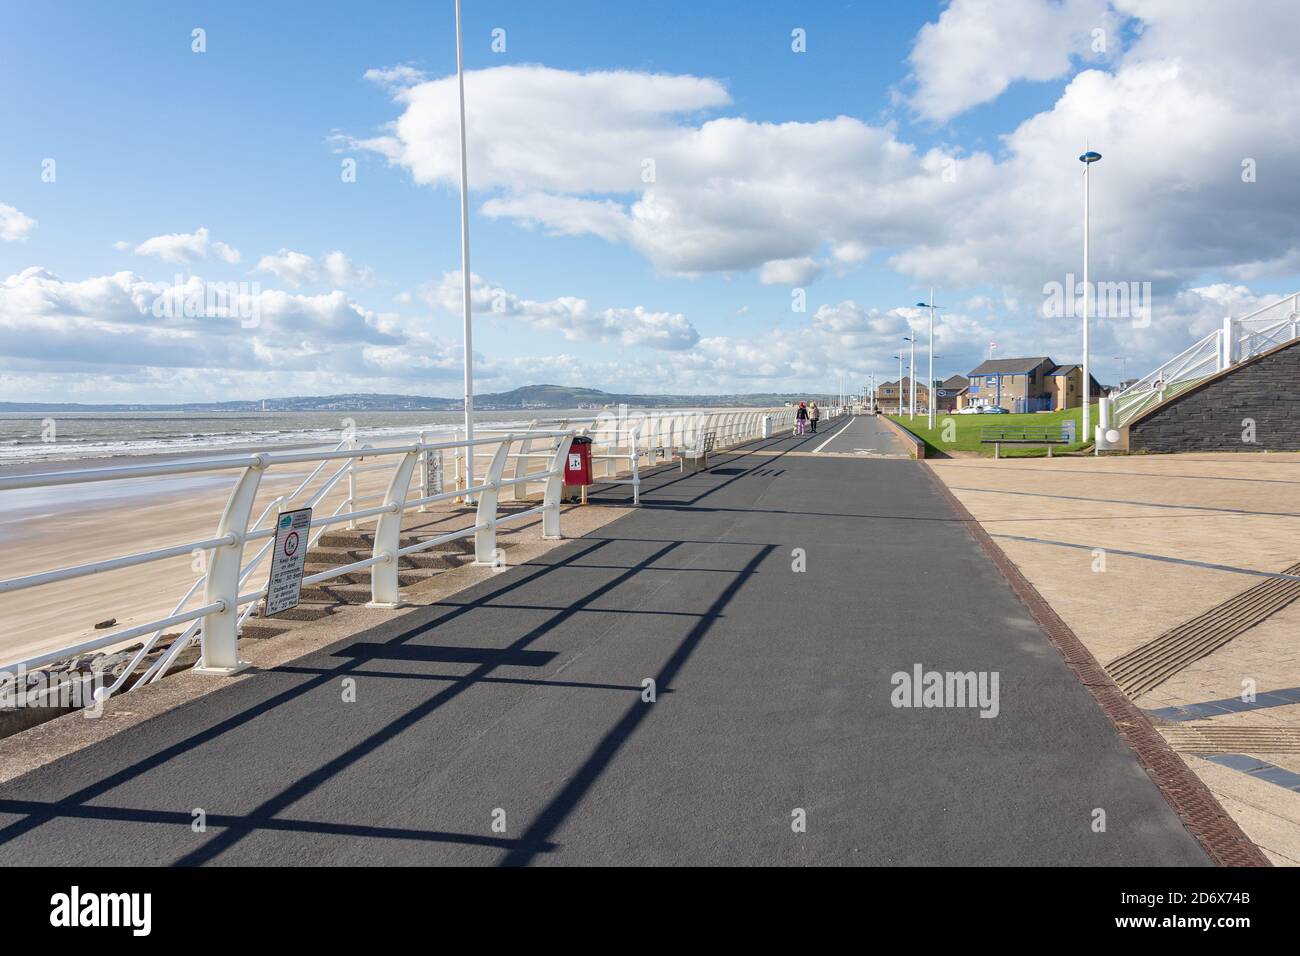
[995,410]
[969,410]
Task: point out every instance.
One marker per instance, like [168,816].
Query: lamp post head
[1090,157]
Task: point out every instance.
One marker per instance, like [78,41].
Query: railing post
[555,488]
[485,538]
[352,485]
[634,436]
[1228,345]
[220,635]
[385,589]
[455,435]
[424,469]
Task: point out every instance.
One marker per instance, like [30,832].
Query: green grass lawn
[964,433]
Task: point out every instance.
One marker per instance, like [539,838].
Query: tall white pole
[911,405]
[930,383]
[464,266]
[900,383]
[1087,397]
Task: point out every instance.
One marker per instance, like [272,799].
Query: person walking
[814,413]
[801,419]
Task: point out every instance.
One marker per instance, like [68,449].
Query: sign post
[284,587]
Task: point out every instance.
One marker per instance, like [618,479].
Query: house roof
[1063,370]
[955,381]
[1011,366]
[907,383]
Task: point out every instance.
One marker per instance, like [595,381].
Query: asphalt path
[771,600]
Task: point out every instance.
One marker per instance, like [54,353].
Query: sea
[27,437]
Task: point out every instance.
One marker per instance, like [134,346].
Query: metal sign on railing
[284,587]
[433,472]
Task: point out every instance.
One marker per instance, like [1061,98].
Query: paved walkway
[519,701]
[863,435]
[1188,542]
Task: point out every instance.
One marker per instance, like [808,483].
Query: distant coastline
[527,398]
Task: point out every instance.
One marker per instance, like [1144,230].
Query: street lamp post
[1088,158]
[899,356]
[464,268]
[911,400]
[930,384]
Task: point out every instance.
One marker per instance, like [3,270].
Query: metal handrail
[225,606]
[1238,340]
[241,532]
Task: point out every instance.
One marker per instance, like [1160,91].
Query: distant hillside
[529,396]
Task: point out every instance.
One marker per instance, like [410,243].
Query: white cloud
[1199,90]
[299,269]
[124,320]
[797,272]
[850,252]
[395,77]
[14,225]
[978,48]
[572,317]
[567,151]
[185,248]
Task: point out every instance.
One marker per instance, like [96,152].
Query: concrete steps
[365,541]
[335,557]
[336,548]
[306,613]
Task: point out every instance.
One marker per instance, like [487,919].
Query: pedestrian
[814,413]
[801,419]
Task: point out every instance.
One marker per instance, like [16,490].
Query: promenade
[771,600]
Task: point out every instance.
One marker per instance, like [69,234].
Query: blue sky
[910,144]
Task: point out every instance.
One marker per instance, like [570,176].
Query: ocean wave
[15,451]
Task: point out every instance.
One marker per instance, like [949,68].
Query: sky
[203,202]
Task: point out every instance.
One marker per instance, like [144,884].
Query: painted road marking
[833,437]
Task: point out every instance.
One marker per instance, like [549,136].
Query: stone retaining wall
[1258,399]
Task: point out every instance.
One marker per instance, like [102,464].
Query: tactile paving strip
[1162,657]
[1229,739]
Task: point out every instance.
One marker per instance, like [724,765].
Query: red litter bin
[577,466]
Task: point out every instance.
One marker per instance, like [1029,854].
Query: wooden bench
[698,457]
[999,435]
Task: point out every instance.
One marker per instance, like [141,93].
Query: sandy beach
[56,527]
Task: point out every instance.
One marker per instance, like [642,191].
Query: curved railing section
[1238,340]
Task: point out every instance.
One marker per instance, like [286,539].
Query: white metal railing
[1236,341]
[219,601]
[215,621]
[626,440]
